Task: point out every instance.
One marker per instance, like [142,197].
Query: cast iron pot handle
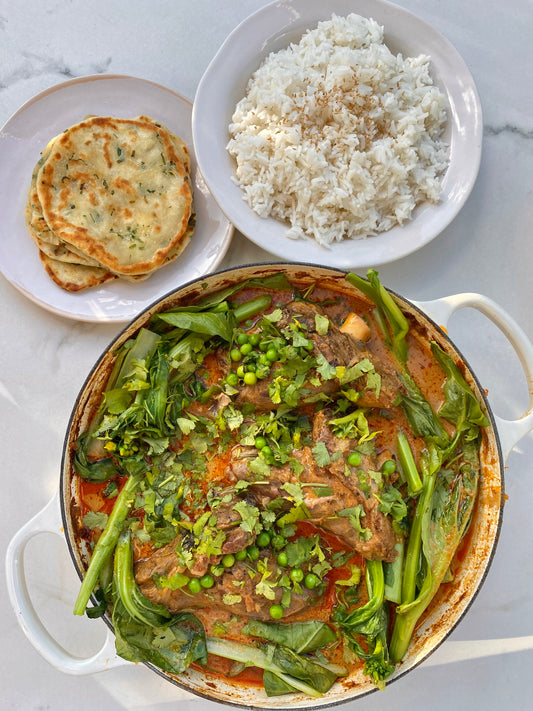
[440,310]
[48,521]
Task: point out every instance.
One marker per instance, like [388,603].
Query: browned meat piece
[381,543]
[236,540]
[339,349]
[162,561]
[165,558]
[323,510]
[256,395]
[234,590]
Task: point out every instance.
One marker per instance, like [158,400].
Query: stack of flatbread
[110,198]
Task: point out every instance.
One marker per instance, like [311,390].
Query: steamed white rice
[339,137]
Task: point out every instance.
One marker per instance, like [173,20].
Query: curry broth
[386,422]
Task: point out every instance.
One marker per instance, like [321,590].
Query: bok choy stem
[251,308]
[412,556]
[390,314]
[405,623]
[107,542]
[253,656]
[393,574]
[407,460]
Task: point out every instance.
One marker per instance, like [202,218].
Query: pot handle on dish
[510,431]
[48,520]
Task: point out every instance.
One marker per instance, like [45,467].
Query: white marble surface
[487,662]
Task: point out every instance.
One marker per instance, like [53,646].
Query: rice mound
[339,137]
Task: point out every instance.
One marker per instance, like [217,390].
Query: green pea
[296,575]
[250,378]
[228,560]
[310,581]
[235,354]
[240,371]
[354,459]
[242,338]
[276,612]
[260,442]
[282,558]
[388,467]
[272,354]
[232,379]
[207,581]
[266,451]
[240,555]
[246,348]
[194,585]
[253,552]
[264,346]
[263,539]
[254,339]
[263,360]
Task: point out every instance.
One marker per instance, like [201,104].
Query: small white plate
[274,27]
[22,139]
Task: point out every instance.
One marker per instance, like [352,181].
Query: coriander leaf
[321,454]
[325,370]
[354,514]
[274,316]
[249,516]
[95,519]
[229,599]
[321,324]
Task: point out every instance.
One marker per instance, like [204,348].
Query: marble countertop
[44,358]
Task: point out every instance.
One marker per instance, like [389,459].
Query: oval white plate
[21,140]
[274,27]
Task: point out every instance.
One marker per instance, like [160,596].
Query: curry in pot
[276,483]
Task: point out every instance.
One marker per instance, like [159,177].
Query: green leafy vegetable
[407,460]
[298,673]
[145,631]
[172,648]
[301,637]
[206,323]
[100,470]
[451,471]
[107,542]
[461,406]
[369,621]
[395,324]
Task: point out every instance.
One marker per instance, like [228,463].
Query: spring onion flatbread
[113,195]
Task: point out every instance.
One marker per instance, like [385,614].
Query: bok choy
[451,470]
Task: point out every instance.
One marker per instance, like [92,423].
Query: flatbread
[117,191]
[38,228]
[74,277]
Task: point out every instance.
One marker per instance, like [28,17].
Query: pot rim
[492,428]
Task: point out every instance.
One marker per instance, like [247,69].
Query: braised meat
[378,540]
[234,589]
[336,348]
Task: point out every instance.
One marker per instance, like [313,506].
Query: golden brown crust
[74,277]
[90,187]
